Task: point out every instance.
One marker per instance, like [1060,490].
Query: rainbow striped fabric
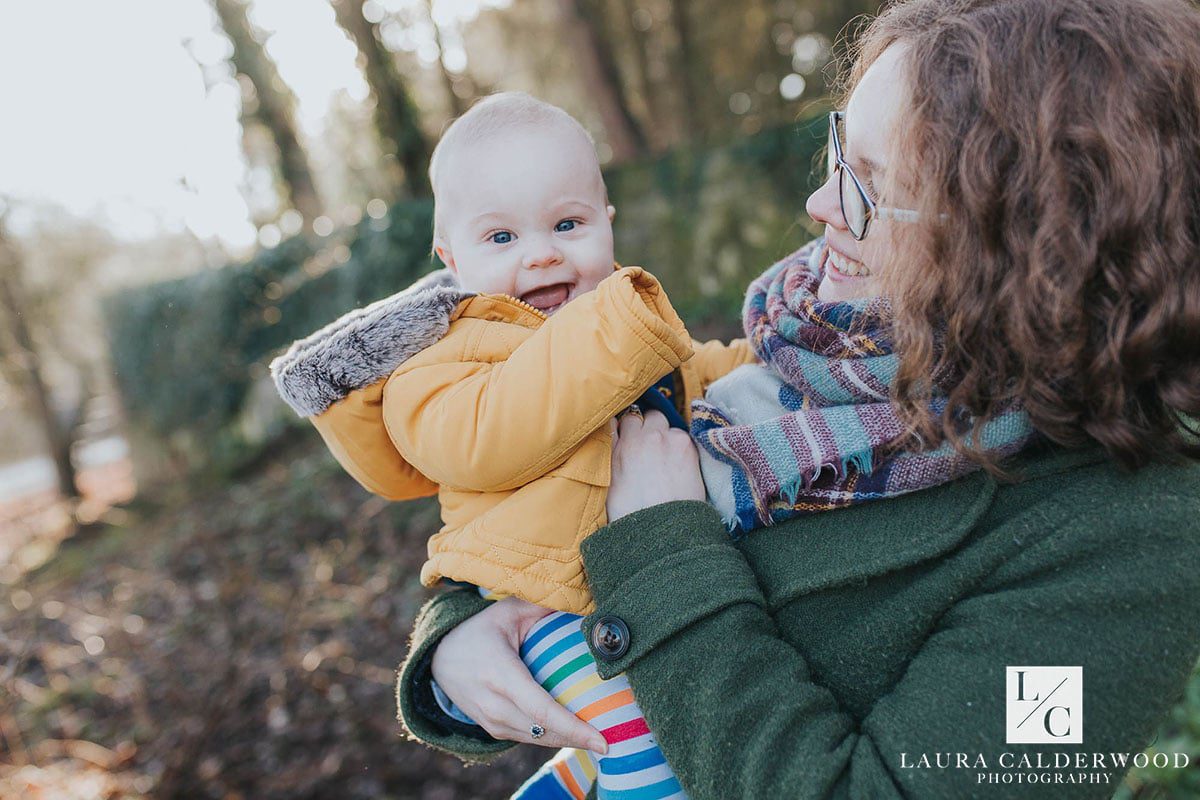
[811,428]
[634,768]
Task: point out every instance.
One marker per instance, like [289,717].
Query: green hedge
[190,355]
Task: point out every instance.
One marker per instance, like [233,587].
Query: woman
[1040,165]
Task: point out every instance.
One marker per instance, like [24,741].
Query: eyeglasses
[857,208]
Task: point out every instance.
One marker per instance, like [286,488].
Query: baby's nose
[542,255]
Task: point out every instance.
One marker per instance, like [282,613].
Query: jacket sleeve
[352,431]
[715,359]
[415,703]
[735,706]
[495,426]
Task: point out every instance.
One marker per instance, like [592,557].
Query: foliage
[1179,733]
[190,355]
[708,221]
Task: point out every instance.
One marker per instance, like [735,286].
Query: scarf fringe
[861,462]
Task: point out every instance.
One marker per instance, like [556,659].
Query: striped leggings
[634,768]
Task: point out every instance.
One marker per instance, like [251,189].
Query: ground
[239,642]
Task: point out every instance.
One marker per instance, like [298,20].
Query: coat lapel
[853,544]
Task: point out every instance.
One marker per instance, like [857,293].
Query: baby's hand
[652,463]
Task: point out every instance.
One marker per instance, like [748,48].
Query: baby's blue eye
[501,237]
[564,226]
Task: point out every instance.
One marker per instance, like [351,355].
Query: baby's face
[525,214]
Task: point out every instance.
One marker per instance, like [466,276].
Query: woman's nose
[542,254]
[825,206]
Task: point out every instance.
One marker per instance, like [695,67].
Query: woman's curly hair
[1054,148]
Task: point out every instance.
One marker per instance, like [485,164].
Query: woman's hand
[652,463]
[478,666]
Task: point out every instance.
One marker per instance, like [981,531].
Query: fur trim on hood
[366,345]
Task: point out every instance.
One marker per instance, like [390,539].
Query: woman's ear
[612,212]
[442,251]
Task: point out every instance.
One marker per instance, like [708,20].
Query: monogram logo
[1044,705]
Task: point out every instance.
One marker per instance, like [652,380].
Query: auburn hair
[1053,150]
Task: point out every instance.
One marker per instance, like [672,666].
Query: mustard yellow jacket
[500,411]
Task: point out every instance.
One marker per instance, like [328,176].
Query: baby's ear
[443,252]
[612,212]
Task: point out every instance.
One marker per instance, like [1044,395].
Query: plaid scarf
[812,428]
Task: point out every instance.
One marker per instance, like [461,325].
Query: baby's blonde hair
[492,115]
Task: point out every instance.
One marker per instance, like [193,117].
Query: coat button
[610,638]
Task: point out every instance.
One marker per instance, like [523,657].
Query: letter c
[1046,720]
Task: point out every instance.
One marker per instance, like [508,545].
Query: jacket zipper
[522,304]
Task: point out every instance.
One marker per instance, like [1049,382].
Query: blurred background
[194,600]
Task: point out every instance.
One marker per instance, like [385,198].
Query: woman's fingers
[652,463]
[633,424]
[531,705]
[502,696]
[511,703]
[656,421]
[629,424]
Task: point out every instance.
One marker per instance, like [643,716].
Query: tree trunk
[769,60]
[396,116]
[453,101]
[275,104]
[601,76]
[688,66]
[58,432]
[647,87]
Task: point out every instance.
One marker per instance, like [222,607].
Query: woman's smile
[840,267]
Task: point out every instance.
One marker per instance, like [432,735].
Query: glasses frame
[873,210]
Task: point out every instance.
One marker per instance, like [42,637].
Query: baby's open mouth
[548,298]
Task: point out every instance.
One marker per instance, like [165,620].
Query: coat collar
[851,545]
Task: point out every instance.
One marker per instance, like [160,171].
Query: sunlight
[315,58]
[126,129]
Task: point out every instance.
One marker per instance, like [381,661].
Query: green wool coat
[845,654]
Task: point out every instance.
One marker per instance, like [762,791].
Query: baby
[492,383]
